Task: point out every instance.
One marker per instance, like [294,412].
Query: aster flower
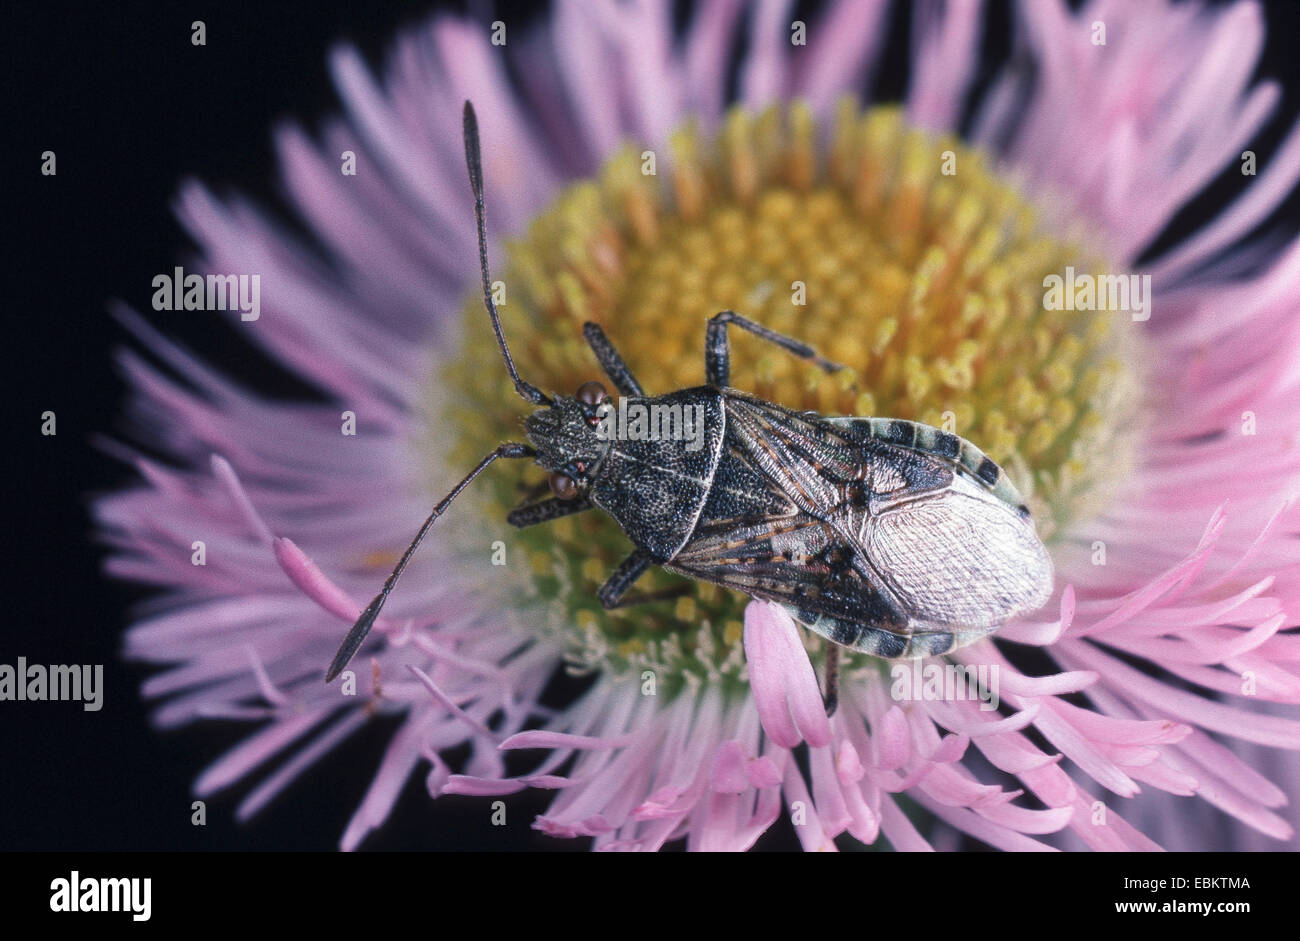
[1160,455]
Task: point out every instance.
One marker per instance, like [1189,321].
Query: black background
[131,108]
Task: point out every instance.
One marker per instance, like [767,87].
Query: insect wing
[806,461]
[876,533]
[962,558]
[803,548]
[821,469]
[799,561]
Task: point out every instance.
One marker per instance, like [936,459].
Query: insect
[885,536]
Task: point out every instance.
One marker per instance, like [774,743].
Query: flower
[1160,455]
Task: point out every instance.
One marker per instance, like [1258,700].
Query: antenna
[357,635]
[474,161]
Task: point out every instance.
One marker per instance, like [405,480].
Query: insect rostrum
[885,536]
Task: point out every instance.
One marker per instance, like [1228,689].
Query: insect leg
[717,354]
[352,642]
[831,699]
[545,511]
[613,594]
[610,360]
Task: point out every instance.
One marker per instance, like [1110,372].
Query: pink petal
[313,583]
[782,679]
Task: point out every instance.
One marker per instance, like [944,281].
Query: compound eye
[563,486]
[591,393]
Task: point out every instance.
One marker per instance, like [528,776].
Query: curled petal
[785,687]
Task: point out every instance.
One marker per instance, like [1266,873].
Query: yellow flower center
[897,253]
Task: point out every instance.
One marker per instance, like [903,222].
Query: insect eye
[563,486]
[591,393]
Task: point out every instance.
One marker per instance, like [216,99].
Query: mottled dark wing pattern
[797,560]
[780,517]
[875,546]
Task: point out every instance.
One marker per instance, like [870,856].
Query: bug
[884,536]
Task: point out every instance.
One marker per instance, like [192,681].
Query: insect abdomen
[884,643]
[930,440]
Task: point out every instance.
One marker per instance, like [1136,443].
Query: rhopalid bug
[885,536]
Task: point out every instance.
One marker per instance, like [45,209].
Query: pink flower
[1154,685]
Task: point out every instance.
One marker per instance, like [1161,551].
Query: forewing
[799,561]
[873,533]
[962,557]
[820,467]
